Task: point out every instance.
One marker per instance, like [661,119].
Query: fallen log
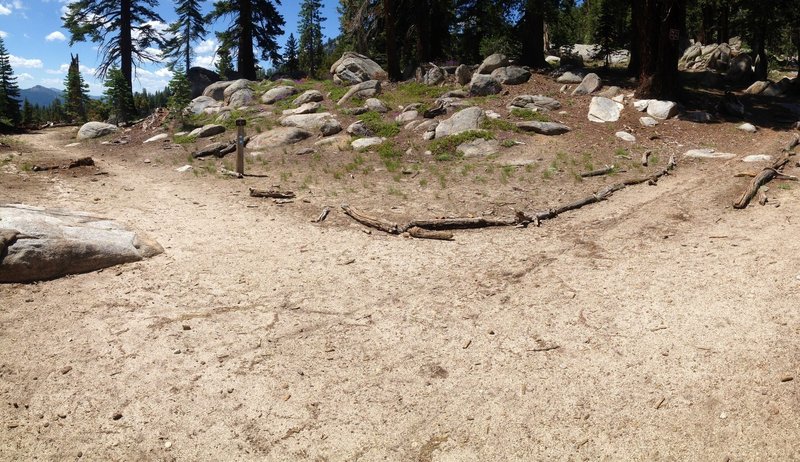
[421,233]
[82,162]
[271,193]
[322,216]
[602,171]
[377,223]
[762,178]
[440,224]
[779,176]
[646,158]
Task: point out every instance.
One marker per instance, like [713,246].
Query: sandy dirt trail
[659,325]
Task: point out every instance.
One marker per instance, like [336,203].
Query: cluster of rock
[724,57]
[782,88]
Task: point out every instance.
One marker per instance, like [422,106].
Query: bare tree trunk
[533,34]
[724,33]
[126,43]
[664,25]
[635,63]
[392,56]
[762,61]
[246,60]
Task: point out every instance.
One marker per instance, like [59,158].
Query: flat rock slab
[708,154]
[648,121]
[757,158]
[52,243]
[543,128]
[461,121]
[364,143]
[159,137]
[625,136]
[479,148]
[603,110]
[749,128]
[207,131]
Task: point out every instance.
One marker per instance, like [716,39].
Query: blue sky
[39,45]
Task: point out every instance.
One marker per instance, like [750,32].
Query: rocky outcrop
[217,90]
[91,130]
[39,244]
[353,68]
[310,96]
[588,85]
[199,79]
[366,89]
[204,105]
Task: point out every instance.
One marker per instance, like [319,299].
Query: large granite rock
[463,74]
[40,244]
[511,75]
[207,130]
[95,130]
[217,90]
[535,102]
[279,93]
[322,122]
[241,98]
[199,79]
[309,96]
[604,110]
[588,85]
[569,77]
[434,75]
[740,70]
[492,62]
[484,85]
[204,105]
[462,121]
[279,136]
[662,110]
[353,68]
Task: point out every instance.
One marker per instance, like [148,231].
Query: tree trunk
[705,34]
[246,60]
[723,35]
[126,43]
[635,63]
[664,25]
[188,45]
[762,60]
[392,56]
[533,34]
[422,22]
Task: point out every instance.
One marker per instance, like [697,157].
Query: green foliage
[181,91]
[224,61]
[184,139]
[390,155]
[528,114]
[9,91]
[374,121]
[444,149]
[258,19]
[498,124]
[291,63]
[76,93]
[186,30]
[310,52]
[119,96]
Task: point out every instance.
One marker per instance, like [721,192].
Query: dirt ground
[660,324]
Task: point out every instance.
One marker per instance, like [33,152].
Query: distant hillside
[40,95]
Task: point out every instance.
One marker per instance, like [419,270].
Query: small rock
[708,154]
[787,378]
[588,85]
[700,117]
[65,370]
[604,110]
[757,158]
[641,104]
[543,128]
[625,136]
[492,62]
[662,109]
[363,143]
[747,127]
[407,116]
[183,169]
[167,444]
[186,327]
[116,416]
[159,137]
[648,121]
[569,77]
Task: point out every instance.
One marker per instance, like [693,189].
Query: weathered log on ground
[322,216]
[599,172]
[377,223]
[762,178]
[440,224]
[82,162]
[271,193]
[421,233]
[601,195]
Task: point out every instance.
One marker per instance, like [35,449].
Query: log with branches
[271,193]
[766,175]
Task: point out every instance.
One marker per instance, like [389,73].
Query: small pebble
[787,378]
[723,415]
[116,416]
[168,444]
[80,454]
[65,370]
[177,352]
[186,327]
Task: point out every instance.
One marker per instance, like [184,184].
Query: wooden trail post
[240,124]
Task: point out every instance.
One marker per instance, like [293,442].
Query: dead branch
[322,216]
[779,176]
[460,223]
[762,178]
[82,162]
[421,233]
[602,171]
[225,171]
[271,193]
[762,195]
[792,144]
[364,219]
[646,158]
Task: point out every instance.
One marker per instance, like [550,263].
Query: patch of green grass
[548,172]
[785,186]
[390,155]
[358,160]
[414,92]
[621,152]
[444,149]
[374,121]
[506,172]
[26,167]
[508,143]
[467,168]
[528,114]
[423,182]
[184,139]
[498,124]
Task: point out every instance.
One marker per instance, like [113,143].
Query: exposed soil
[660,324]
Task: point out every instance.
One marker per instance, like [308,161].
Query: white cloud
[4,10]
[24,76]
[55,35]
[16,61]
[3,34]
[205,61]
[164,72]
[206,46]
[18,4]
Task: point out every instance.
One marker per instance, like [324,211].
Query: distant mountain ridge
[40,95]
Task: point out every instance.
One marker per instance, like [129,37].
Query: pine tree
[114,24]
[9,91]
[119,96]
[181,93]
[76,92]
[310,28]
[255,22]
[605,34]
[27,113]
[224,61]
[189,28]
[290,60]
